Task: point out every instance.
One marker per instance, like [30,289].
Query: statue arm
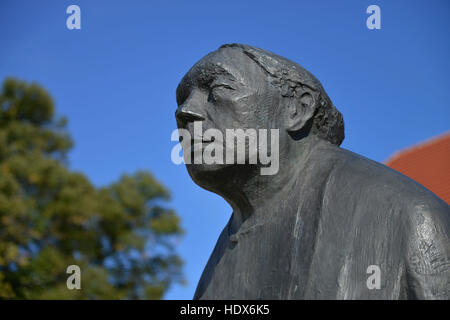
[428,271]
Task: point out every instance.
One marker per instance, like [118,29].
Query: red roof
[428,163]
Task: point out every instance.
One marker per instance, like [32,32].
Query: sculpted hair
[293,80]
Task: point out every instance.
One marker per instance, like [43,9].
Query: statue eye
[218,89]
[222,85]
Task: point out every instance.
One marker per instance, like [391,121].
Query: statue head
[243,87]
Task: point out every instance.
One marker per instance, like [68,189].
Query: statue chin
[212,176]
[199,169]
[199,172]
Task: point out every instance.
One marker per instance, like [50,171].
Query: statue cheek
[246,102]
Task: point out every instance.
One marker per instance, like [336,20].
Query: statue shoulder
[423,219]
[381,197]
[376,181]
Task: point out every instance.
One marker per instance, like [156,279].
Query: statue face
[225,90]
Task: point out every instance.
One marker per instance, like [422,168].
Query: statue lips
[203,141]
[199,145]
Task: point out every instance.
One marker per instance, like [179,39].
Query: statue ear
[300,111]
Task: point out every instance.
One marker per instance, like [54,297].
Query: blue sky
[115,80]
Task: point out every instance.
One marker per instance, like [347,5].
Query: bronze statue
[314,228]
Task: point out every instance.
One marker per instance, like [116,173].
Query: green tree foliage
[121,236]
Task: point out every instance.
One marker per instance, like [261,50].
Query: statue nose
[184,115]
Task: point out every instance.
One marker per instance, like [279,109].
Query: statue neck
[259,195]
